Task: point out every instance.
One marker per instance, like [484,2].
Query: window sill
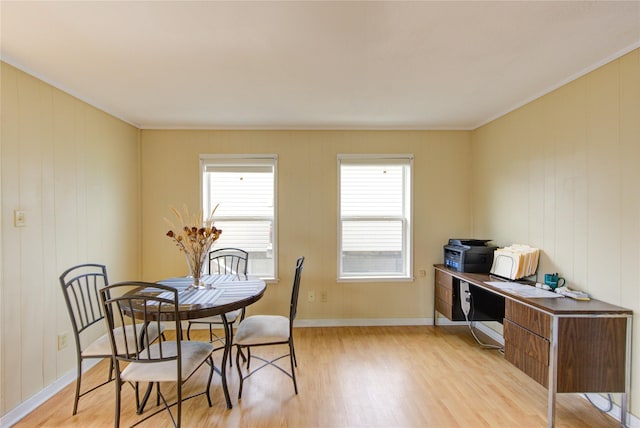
[377,279]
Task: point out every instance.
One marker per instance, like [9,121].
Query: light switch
[19,219]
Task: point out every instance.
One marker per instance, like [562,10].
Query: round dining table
[217,295]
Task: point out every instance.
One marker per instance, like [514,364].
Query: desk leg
[225,356]
[435,311]
[553,373]
[623,410]
[627,376]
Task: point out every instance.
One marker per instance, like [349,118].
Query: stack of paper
[522,289]
[515,262]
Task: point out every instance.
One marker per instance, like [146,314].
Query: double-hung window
[244,189]
[374,216]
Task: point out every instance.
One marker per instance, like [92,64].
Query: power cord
[470,324]
[598,407]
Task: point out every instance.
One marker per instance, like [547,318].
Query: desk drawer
[529,318]
[444,308]
[444,294]
[527,351]
[444,280]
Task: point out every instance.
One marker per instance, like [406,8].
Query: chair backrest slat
[228,261]
[89,303]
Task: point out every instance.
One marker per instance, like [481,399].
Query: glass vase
[196,262]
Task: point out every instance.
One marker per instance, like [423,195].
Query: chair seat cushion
[262,329]
[102,348]
[193,355]
[217,319]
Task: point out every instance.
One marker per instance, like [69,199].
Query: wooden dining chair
[137,359]
[80,286]
[224,261]
[228,261]
[269,330]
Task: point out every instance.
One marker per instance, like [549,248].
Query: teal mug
[553,280]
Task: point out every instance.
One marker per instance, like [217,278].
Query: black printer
[469,255]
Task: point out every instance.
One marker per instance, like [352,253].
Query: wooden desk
[566,345]
[228,293]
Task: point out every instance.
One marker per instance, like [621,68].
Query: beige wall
[563,174]
[560,173]
[307,210]
[75,172]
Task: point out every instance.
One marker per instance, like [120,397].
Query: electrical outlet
[19,218]
[63,341]
[311,296]
[323,297]
[422,273]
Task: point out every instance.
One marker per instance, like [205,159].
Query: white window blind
[375,216]
[243,187]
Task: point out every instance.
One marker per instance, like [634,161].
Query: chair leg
[209,381]
[189,331]
[140,406]
[78,381]
[110,369]
[244,358]
[137,390]
[293,371]
[293,351]
[116,421]
[230,339]
[238,352]
[179,405]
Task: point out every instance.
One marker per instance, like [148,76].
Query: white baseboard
[603,403]
[23,409]
[30,404]
[363,322]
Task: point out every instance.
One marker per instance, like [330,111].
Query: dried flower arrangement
[194,238]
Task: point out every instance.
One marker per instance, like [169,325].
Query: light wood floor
[355,377]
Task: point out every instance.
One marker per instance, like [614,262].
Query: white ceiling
[313,65]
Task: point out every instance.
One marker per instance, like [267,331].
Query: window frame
[407,218]
[245,160]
